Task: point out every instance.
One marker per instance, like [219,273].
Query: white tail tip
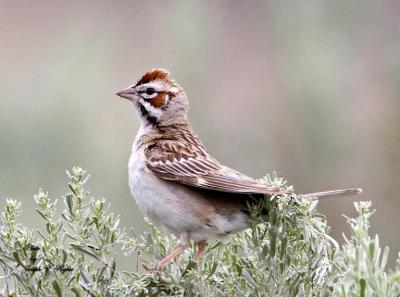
[335,193]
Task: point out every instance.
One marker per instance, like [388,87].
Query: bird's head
[158,99]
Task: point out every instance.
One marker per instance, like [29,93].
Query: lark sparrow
[176,183]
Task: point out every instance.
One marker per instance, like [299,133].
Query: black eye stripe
[148,91]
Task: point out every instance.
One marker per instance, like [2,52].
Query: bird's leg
[201,247]
[183,244]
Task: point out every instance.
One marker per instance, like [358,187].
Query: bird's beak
[128,93]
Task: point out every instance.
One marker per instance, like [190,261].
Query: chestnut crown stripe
[153,75]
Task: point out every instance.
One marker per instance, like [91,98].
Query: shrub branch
[288,252]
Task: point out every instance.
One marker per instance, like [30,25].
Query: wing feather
[175,153]
[205,172]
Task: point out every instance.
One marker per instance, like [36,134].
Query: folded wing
[203,171]
[187,162]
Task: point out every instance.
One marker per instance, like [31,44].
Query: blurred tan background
[309,89]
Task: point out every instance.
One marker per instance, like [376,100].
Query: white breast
[172,207]
[159,200]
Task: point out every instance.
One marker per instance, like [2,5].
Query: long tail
[335,193]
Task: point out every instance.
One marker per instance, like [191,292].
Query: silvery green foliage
[286,253]
[71,256]
[363,270]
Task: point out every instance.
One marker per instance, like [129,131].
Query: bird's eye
[150,91]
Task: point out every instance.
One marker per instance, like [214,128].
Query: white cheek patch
[153,111]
